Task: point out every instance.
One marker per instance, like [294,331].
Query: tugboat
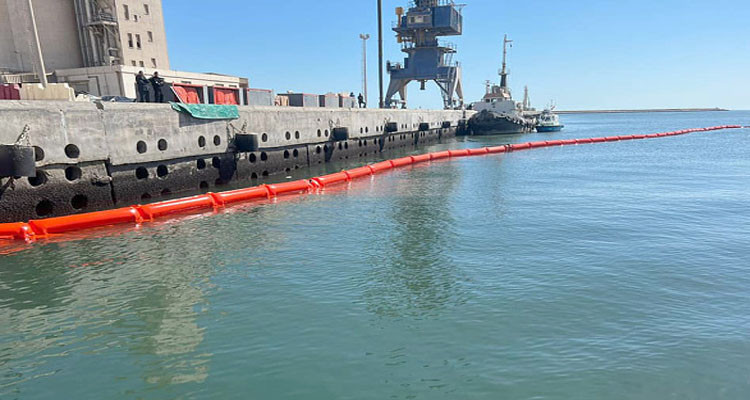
[498,113]
[548,121]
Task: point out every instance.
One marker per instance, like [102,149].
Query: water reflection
[141,302]
[34,282]
[167,316]
[413,275]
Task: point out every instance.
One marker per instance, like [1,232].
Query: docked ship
[548,121]
[498,113]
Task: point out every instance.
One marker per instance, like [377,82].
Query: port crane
[428,58]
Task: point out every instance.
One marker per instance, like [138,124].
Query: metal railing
[413,3]
[103,17]
[450,74]
[450,46]
[21,78]
[394,66]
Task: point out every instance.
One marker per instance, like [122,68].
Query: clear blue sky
[583,54]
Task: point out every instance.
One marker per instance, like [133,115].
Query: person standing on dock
[142,82]
[157,83]
[362,103]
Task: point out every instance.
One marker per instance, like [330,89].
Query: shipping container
[189,94]
[347,101]
[260,97]
[225,95]
[330,100]
[302,99]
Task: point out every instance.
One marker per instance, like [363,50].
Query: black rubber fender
[463,127]
[16,160]
[341,133]
[246,142]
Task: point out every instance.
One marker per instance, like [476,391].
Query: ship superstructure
[498,97]
[498,113]
[548,121]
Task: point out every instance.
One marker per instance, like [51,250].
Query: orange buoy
[458,153]
[401,162]
[242,195]
[380,167]
[421,158]
[358,172]
[156,210]
[477,151]
[520,146]
[332,179]
[301,185]
[440,155]
[497,149]
[72,223]
[15,231]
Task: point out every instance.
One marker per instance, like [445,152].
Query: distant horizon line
[645,110]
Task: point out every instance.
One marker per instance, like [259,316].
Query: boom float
[140,214]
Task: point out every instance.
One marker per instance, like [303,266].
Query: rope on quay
[140,214]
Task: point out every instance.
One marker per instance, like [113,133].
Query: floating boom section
[427,58]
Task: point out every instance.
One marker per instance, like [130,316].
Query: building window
[127,11]
[138,41]
[153,62]
[146,10]
[133,62]
[150,36]
[141,64]
[135,18]
[130,40]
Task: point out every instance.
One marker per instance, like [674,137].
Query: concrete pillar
[41,70]
[18,16]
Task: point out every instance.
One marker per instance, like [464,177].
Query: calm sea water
[609,271]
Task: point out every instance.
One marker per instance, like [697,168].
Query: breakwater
[650,110]
[136,215]
[91,157]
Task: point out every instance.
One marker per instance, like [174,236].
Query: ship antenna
[504,72]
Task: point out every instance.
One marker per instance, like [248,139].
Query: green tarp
[207,111]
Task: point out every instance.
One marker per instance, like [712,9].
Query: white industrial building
[96,46]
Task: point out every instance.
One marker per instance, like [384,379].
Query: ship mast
[504,72]
[526,99]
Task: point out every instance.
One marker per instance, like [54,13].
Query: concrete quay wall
[96,156]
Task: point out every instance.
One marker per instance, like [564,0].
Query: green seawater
[608,271]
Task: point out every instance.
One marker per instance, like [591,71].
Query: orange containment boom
[136,215]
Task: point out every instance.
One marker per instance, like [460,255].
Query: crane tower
[428,59]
